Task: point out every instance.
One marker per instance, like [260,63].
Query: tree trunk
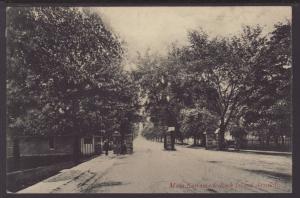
[76,149]
[277,140]
[203,141]
[268,140]
[221,137]
[173,141]
[16,153]
[76,143]
[195,140]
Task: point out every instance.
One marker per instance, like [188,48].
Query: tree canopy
[64,73]
[240,80]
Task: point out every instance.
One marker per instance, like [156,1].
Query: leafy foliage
[243,81]
[64,73]
[196,121]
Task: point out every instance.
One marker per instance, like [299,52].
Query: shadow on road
[272,174]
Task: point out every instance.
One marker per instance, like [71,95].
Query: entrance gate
[122,146]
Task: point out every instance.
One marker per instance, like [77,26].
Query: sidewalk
[243,150]
[71,180]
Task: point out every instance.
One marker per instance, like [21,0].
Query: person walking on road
[106,147]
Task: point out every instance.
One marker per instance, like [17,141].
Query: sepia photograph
[148,99]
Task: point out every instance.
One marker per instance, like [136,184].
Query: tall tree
[270,106]
[64,73]
[225,66]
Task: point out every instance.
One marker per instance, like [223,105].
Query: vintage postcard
[185,99]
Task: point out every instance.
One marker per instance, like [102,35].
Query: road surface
[152,170]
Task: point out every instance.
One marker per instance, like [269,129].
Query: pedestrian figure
[123,149]
[106,147]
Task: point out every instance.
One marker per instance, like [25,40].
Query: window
[88,140]
[51,143]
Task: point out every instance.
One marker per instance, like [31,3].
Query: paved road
[152,170]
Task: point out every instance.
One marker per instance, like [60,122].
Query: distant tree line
[64,75]
[240,84]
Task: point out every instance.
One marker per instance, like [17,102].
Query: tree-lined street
[76,92]
[187,170]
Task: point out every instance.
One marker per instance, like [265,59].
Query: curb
[266,152]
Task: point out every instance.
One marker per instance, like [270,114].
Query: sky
[156,28]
